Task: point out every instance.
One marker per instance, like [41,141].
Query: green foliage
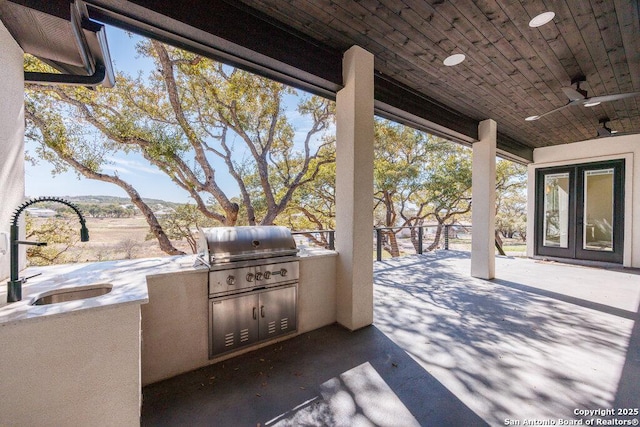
[107,210]
[511,199]
[418,177]
[313,205]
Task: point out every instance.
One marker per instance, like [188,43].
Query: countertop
[128,278]
[314,252]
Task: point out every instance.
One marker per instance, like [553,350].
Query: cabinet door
[234,323]
[277,312]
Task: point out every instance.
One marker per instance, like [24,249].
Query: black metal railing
[418,236]
[396,243]
[457,232]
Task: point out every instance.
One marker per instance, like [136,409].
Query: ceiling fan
[605,131]
[578,96]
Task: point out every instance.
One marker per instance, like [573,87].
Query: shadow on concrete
[568,299]
[507,350]
[628,391]
[320,378]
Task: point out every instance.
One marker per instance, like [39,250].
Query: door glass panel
[598,210]
[556,210]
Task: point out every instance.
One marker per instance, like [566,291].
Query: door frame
[541,249]
[576,210]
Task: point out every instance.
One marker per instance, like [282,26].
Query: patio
[537,343]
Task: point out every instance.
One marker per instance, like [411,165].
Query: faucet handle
[24,279]
[25,242]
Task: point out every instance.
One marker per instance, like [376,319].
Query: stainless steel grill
[224,244]
[253,284]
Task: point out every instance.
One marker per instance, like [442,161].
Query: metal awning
[65,39]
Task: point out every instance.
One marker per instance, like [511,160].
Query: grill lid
[223,244]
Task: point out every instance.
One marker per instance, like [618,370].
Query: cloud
[114,168]
[128,166]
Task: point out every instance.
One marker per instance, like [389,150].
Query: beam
[392,93]
[231,33]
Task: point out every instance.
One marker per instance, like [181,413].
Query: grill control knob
[283,272]
[258,276]
[250,277]
[267,275]
[231,280]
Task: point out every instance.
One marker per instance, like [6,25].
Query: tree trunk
[414,234]
[392,246]
[163,241]
[436,239]
[499,243]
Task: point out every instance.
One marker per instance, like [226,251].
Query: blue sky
[147,179]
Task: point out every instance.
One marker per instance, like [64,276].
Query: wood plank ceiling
[511,70]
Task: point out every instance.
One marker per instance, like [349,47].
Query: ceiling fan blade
[572,94]
[569,104]
[607,98]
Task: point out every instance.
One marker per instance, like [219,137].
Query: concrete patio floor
[537,344]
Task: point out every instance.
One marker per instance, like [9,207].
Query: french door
[580,211]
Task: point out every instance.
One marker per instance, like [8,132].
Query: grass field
[116,238]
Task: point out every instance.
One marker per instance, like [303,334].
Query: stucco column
[11,143]
[354,191]
[483,256]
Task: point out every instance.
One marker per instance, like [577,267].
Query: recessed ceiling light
[541,19]
[455,59]
[591,104]
[614,131]
[532,118]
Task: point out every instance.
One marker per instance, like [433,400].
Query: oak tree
[197,121]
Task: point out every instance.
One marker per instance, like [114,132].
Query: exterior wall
[175,322]
[620,147]
[80,369]
[11,139]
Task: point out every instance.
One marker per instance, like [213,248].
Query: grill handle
[262,311]
[200,260]
[255,309]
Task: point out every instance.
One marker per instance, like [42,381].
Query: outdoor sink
[73,294]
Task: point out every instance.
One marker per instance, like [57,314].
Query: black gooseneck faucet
[14,285]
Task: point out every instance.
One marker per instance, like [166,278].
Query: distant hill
[155,204]
[117,200]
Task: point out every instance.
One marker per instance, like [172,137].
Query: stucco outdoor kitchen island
[84,361]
